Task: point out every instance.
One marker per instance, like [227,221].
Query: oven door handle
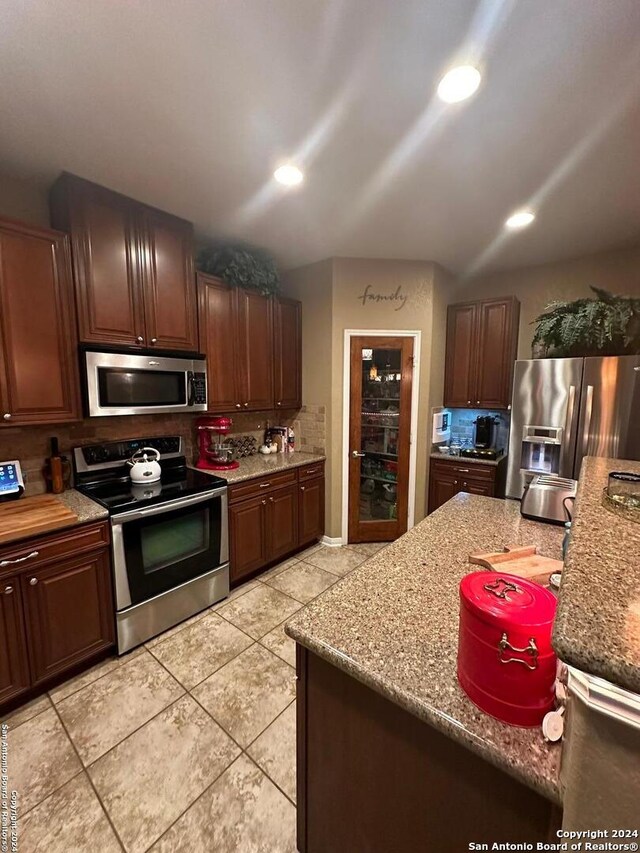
[161,509]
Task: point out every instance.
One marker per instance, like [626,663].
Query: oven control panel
[120,451]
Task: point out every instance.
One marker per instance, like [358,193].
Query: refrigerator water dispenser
[541,449]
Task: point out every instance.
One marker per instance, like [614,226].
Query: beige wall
[25,200]
[536,287]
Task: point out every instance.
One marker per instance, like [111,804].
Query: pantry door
[379,437]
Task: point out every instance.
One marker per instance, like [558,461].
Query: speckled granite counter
[464,459]
[262,464]
[86,509]
[393,625]
[597,627]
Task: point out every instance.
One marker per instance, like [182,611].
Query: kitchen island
[392,755]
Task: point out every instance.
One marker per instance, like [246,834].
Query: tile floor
[184,744]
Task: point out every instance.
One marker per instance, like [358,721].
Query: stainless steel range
[169,538]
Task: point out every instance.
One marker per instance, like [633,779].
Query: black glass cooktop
[119,494]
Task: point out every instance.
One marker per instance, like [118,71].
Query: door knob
[33,581]
[154,340]
[356,454]
[7,416]
[140,339]
[8,590]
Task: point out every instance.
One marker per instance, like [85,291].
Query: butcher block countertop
[597,628]
[262,464]
[393,625]
[29,516]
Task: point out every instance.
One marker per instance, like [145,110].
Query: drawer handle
[8,590]
[531,650]
[264,485]
[312,471]
[33,581]
[19,560]
[462,470]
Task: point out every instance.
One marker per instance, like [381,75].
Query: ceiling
[189,105]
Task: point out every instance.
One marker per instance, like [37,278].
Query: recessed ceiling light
[520,219]
[458,84]
[288,175]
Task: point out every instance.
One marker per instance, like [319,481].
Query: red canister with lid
[506,664]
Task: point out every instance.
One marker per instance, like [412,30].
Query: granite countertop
[464,459]
[86,509]
[393,625]
[597,628]
[261,464]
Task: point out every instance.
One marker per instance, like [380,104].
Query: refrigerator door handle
[586,426]
[566,463]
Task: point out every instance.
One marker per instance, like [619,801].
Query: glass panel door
[380,418]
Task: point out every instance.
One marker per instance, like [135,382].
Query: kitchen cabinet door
[169,282]
[105,242]
[497,341]
[218,342]
[442,487]
[255,350]
[461,354]
[14,669]
[287,330]
[38,365]
[69,612]
[247,537]
[282,525]
[477,487]
[310,511]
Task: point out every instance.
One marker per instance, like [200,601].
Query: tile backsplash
[31,445]
[463,427]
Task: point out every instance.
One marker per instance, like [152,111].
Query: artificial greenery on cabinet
[604,325]
[241,265]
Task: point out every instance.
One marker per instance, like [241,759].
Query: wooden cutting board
[30,516]
[523,561]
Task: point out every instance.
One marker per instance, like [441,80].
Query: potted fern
[604,325]
[241,265]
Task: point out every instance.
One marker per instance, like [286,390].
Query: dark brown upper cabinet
[287,365]
[38,366]
[253,348]
[482,340]
[133,268]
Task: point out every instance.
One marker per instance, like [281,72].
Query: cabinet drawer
[37,552]
[472,471]
[260,485]
[309,472]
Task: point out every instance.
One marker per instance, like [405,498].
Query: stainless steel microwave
[127,384]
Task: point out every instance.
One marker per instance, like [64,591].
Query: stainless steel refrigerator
[564,409]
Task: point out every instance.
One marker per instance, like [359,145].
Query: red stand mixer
[213,454]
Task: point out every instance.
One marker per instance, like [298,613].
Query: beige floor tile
[280,567]
[259,610]
[40,759]
[69,821]
[242,812]
[102,714]
[149,779]
[27,712]
[247,694]
[67,688]
[153,642]
[280,644]
[368,548]
[339,561]
[275,751]
[201,649]
[302,555]
[235,593]
[302,581]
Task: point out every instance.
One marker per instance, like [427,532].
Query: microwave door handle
[190,388]
[566,461]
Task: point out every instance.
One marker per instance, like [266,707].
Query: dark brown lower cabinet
[56,612]
[14,670]
[447,477]
[271,517]
[373,778]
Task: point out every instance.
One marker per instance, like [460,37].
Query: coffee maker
[484,431]
[213,453]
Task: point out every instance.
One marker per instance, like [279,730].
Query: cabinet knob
[33,581]
[271,500]
[7,416]
[468,402]
[302,488]
[279,403]
[455,482]
[8,590]
[238,406]
[140,339]
[264,502]
[464,485]
[154,340]
[245,405]
[477,402]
